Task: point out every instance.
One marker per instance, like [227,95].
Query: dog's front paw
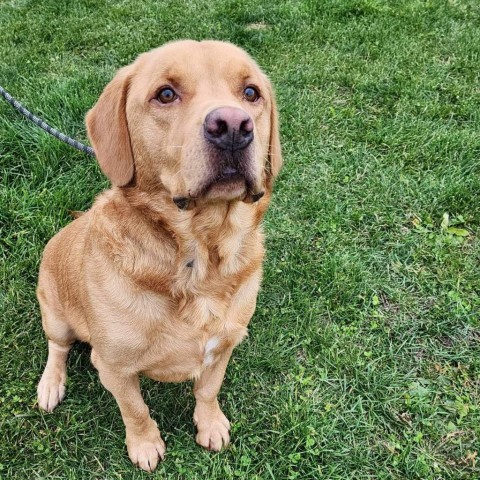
[212,428]
[51,389]
[145,451]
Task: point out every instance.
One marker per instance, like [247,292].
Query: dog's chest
[188,344]
[183,309]
[203,324]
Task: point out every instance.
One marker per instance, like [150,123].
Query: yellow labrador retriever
[161,275]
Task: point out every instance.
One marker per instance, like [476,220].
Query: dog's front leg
[212,425]
[144,443]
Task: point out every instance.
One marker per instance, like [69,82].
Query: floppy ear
[108,130]
[275,160]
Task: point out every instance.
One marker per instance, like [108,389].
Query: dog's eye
[251,94]
[166,95]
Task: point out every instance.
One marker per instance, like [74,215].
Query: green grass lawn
[363,359]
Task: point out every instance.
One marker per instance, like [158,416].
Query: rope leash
[44,126]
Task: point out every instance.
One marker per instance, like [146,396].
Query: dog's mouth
[230,178]
[229,183]
[228,175]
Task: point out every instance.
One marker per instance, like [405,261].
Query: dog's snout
[229,128]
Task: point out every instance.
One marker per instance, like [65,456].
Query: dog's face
[197,119]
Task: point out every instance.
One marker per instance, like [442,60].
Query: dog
[161,275]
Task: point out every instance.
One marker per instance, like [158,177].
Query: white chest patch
[209,347]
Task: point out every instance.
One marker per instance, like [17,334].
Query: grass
[363,359]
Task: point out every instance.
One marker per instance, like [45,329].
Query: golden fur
[156,290]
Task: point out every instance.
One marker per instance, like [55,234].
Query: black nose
[228,128]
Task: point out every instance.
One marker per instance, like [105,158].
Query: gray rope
[44,126]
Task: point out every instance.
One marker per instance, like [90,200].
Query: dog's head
[197,119]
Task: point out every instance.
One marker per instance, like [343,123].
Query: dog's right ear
[108,130]
[275,160]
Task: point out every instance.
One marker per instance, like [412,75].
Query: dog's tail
[76,213]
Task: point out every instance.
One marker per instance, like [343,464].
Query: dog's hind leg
[51,388]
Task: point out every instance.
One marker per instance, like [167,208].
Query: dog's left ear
[108,130]
[275,160]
